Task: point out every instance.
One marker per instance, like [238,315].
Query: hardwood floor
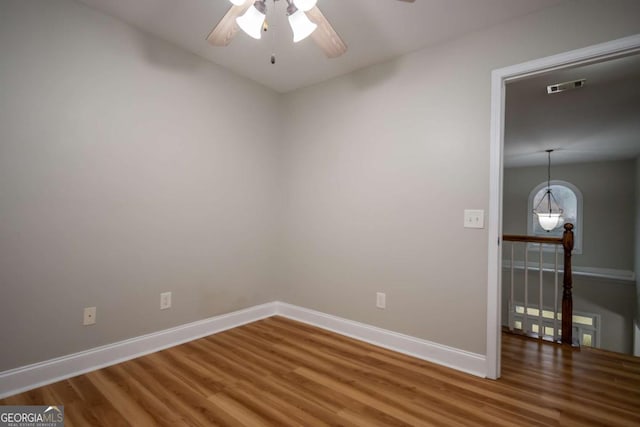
[283,373]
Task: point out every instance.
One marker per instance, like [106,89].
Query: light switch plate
[474,218]
[165,300]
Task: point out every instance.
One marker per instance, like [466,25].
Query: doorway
[500,78]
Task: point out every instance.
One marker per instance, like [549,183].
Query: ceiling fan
[305,19]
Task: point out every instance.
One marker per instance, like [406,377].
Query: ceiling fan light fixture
[301,25]
[253,20]
[238,2]
[305,5]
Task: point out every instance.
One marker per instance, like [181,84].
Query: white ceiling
[374,31]
[600,121]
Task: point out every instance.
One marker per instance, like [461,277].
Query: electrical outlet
[381,300]
[89,316]
[165,300]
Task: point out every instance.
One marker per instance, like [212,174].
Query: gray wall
[383,161]
[608,190]
[127,168]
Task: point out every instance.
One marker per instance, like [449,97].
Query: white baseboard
[38,374]
[25,378]
[460,360]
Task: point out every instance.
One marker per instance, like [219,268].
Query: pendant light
[253,19]
[300,24]
[548,210]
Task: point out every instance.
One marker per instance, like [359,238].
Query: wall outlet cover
[89,316]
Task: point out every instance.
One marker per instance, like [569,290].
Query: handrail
[531,239]
[567,282]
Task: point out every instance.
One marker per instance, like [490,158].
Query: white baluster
[540,300]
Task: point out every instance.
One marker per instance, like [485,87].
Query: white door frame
[499,77]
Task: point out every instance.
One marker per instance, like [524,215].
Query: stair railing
[566,242]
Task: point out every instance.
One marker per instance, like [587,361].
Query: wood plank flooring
[277,372]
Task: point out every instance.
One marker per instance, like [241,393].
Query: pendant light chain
[549,179]
[273,37]
[549,169]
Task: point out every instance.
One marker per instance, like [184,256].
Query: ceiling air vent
[561,87]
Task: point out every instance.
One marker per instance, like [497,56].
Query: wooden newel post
[567,283]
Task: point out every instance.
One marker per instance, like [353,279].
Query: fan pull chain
[273,39]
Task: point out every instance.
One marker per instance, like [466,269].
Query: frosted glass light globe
[301,25]
[251,22]
[548,221]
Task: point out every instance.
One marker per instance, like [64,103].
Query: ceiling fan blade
[408,1]
[325,36]
[222,34]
